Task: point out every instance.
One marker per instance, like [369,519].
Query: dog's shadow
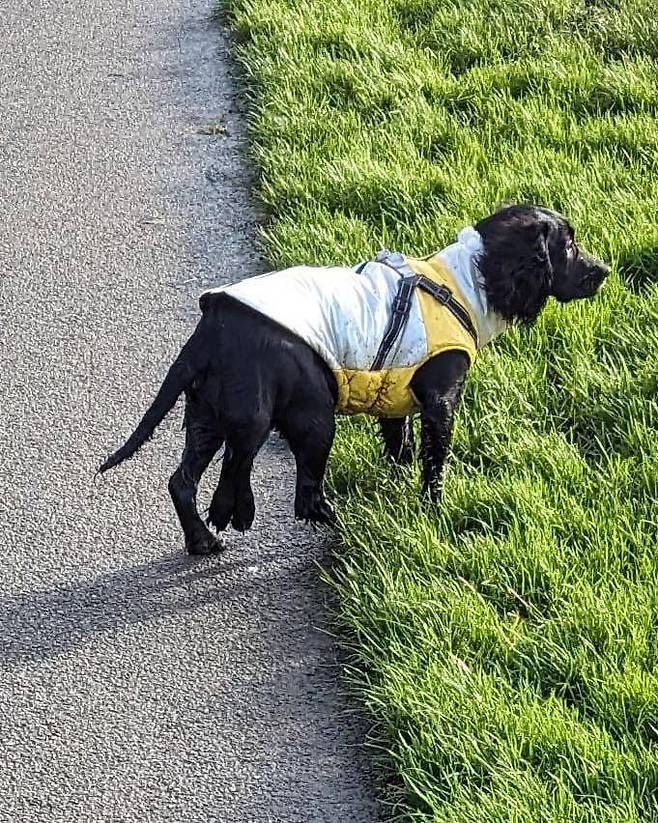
[43,624]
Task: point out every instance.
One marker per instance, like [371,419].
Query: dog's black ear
[532,277]
[516,266]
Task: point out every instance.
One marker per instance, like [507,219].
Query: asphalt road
[137,683]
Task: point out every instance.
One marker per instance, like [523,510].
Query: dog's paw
[313,507]
[244,512]
[432,494]
[221,509]
[208,544]
[325,515]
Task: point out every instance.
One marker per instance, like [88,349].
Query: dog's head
[530,255]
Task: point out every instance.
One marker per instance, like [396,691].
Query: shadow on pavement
[38,625]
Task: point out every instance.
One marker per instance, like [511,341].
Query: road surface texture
[137,684]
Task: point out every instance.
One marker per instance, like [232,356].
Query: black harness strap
[446,297]
[402,307]
[397,321]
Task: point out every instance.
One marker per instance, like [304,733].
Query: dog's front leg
[438,386]
[398,436]
[436,420]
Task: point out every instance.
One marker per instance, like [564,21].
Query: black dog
[244,375]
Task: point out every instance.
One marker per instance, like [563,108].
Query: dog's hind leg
[398,437]
[202,441]
[310,430]
[233,500]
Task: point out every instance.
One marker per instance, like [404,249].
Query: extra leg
[233,500]
[202,441]
[398,439]
[438,385]
[310,432]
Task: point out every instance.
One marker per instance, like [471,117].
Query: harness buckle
[399,304]
[442,294]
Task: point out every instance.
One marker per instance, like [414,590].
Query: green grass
[506,645]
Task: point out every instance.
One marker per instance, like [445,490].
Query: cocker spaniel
[389,337]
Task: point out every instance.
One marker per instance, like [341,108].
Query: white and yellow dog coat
[344,314]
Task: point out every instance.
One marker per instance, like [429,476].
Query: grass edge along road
[505,645]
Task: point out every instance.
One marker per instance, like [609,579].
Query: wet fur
[244,375]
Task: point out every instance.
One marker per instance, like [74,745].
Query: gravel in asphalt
[137,683]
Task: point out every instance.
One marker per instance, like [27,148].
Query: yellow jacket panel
[387,392]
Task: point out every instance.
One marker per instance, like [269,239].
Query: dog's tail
[180,376]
